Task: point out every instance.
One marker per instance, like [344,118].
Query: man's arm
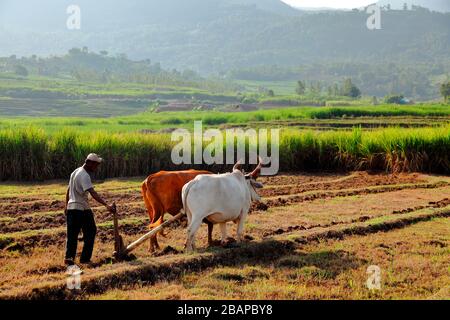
[100,200]
[67,201]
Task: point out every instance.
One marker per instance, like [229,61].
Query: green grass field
[279,87]
[33,154]
[41,96]
[269,117]
[58,121]
[38,87]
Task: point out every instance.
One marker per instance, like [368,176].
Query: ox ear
[257,185]
[238,165]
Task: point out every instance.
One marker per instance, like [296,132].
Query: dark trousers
[80,220]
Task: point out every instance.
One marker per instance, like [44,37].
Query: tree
[445,90]
[301,88]
[21,70]
[350,90]
[76,74]
[189,74]
[313,88]
[319,87]
[395,99]
[105,76]
[336,90]
[74,51]
[374,101]
[330,91]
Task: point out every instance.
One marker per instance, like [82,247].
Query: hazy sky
[330,3]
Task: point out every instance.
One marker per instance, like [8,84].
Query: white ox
[219,199]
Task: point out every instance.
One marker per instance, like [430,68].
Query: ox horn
[238,165]
[256,173]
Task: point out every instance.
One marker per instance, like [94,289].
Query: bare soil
[297,209]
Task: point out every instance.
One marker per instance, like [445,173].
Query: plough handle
[116,223]
[151,233]
[118,242]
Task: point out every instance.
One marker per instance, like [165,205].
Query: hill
[435,5]
[219,36]
[212,36]
[50,15]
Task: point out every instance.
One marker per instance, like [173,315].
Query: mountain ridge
[213,36]
[434,5]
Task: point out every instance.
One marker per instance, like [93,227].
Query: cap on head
[94,158]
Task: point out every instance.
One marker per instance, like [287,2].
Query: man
[78,212]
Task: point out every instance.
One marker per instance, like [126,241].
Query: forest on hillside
[233,40]
[216,36]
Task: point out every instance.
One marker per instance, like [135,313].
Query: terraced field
[312,237]
[366,123]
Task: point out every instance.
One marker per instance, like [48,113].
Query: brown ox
[162,194]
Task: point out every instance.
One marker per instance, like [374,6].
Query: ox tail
[184,195]
[153,205]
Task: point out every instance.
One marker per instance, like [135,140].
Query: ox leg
[192,230]
[189,222]
[154,245]
[223,231]
[240,229]
[210,231]
[151,245]
[157,247]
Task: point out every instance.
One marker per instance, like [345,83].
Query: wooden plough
[121,252]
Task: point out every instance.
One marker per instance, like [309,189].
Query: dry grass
[414,264]
[288,268]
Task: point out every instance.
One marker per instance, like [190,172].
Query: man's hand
[99,199]
[112,208]
[65,211]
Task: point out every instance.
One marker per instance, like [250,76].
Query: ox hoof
[229,243]
[189,249]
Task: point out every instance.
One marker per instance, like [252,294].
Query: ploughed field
[312,237]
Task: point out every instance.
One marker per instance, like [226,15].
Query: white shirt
[80,182]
